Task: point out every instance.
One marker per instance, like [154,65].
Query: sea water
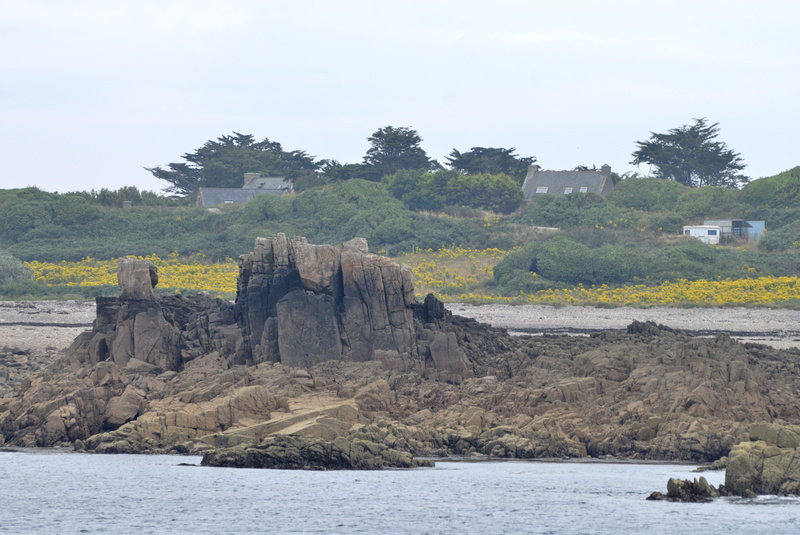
[55,492]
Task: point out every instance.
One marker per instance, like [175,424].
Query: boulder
[137,278]
[124,407]
[683,490]
[769,463]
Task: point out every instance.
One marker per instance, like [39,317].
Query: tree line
[690,155]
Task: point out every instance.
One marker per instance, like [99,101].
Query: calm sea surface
[51,492]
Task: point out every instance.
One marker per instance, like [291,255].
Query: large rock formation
[769,463]
[301,304]
[298,305]
[330,342]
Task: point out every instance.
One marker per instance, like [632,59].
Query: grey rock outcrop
[683,490]
[298,305]
[137,278]
[301,304]
[769,463]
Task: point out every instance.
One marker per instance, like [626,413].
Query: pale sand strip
[34,324]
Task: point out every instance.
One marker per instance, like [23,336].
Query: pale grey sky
[93,91]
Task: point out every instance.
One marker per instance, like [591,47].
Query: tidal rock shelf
[309,453]
[330,342]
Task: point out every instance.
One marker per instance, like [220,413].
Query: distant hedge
[564,260]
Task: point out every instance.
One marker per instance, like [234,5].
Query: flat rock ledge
[309,453]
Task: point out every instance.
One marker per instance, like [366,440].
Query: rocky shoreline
[327,345]
[34,333]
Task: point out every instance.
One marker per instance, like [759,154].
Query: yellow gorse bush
[450,269]
[189,273]
[453,274]
[764,291]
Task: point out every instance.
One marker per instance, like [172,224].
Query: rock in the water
[769,463]
[683,490]
[306,453]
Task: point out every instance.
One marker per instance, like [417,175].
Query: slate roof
[269,182]
[559,182]
[215,196]
[253,187]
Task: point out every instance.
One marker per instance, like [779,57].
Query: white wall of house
[705,233]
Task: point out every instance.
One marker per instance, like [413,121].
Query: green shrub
[647,194]
[521,259]
[670,223]
[18,219]
[694,250]
[616,264]
[360,225]
[568,211]
[394,230]
[779,191]
[434,191]
[710,202]
[71,210]
[566,261]
[267,207]
[498,193]
[562,259]
[783,238]
[12,270]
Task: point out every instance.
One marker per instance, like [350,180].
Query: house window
[584,189]
[712,232]
[542,189]
[687,232]
[567,191]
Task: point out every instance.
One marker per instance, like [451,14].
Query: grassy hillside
[629,238]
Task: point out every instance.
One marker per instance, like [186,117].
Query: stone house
[538,182]
[254,185]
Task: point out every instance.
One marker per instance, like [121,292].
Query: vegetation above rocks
[556,243]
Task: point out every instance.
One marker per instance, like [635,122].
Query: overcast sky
[93,91]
